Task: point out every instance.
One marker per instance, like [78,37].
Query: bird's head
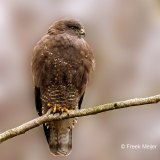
[70,26]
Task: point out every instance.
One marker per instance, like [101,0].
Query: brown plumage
[61,66]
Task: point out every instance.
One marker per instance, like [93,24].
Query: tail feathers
[60,143]
[59,136]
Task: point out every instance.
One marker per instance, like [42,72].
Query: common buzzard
[61,65]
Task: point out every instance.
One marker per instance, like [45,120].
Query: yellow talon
[54,109]
[58,109]
[49,105]
[66,110]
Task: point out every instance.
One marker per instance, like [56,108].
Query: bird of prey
[61,66]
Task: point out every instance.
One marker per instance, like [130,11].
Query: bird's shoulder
[61,41]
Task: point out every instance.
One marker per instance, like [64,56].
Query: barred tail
[60,143]
[59,136]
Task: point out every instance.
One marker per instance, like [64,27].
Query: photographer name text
[139,146]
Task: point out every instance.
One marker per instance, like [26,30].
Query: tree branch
[76,113]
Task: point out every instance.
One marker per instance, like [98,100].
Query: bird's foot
[58,109]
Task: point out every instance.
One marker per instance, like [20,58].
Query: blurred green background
[125,37]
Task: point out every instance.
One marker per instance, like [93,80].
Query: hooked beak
[82,32]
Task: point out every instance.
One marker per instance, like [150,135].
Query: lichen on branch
[76,113]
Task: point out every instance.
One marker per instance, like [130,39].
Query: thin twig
[76,113]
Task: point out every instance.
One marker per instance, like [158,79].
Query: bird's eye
[73,28]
